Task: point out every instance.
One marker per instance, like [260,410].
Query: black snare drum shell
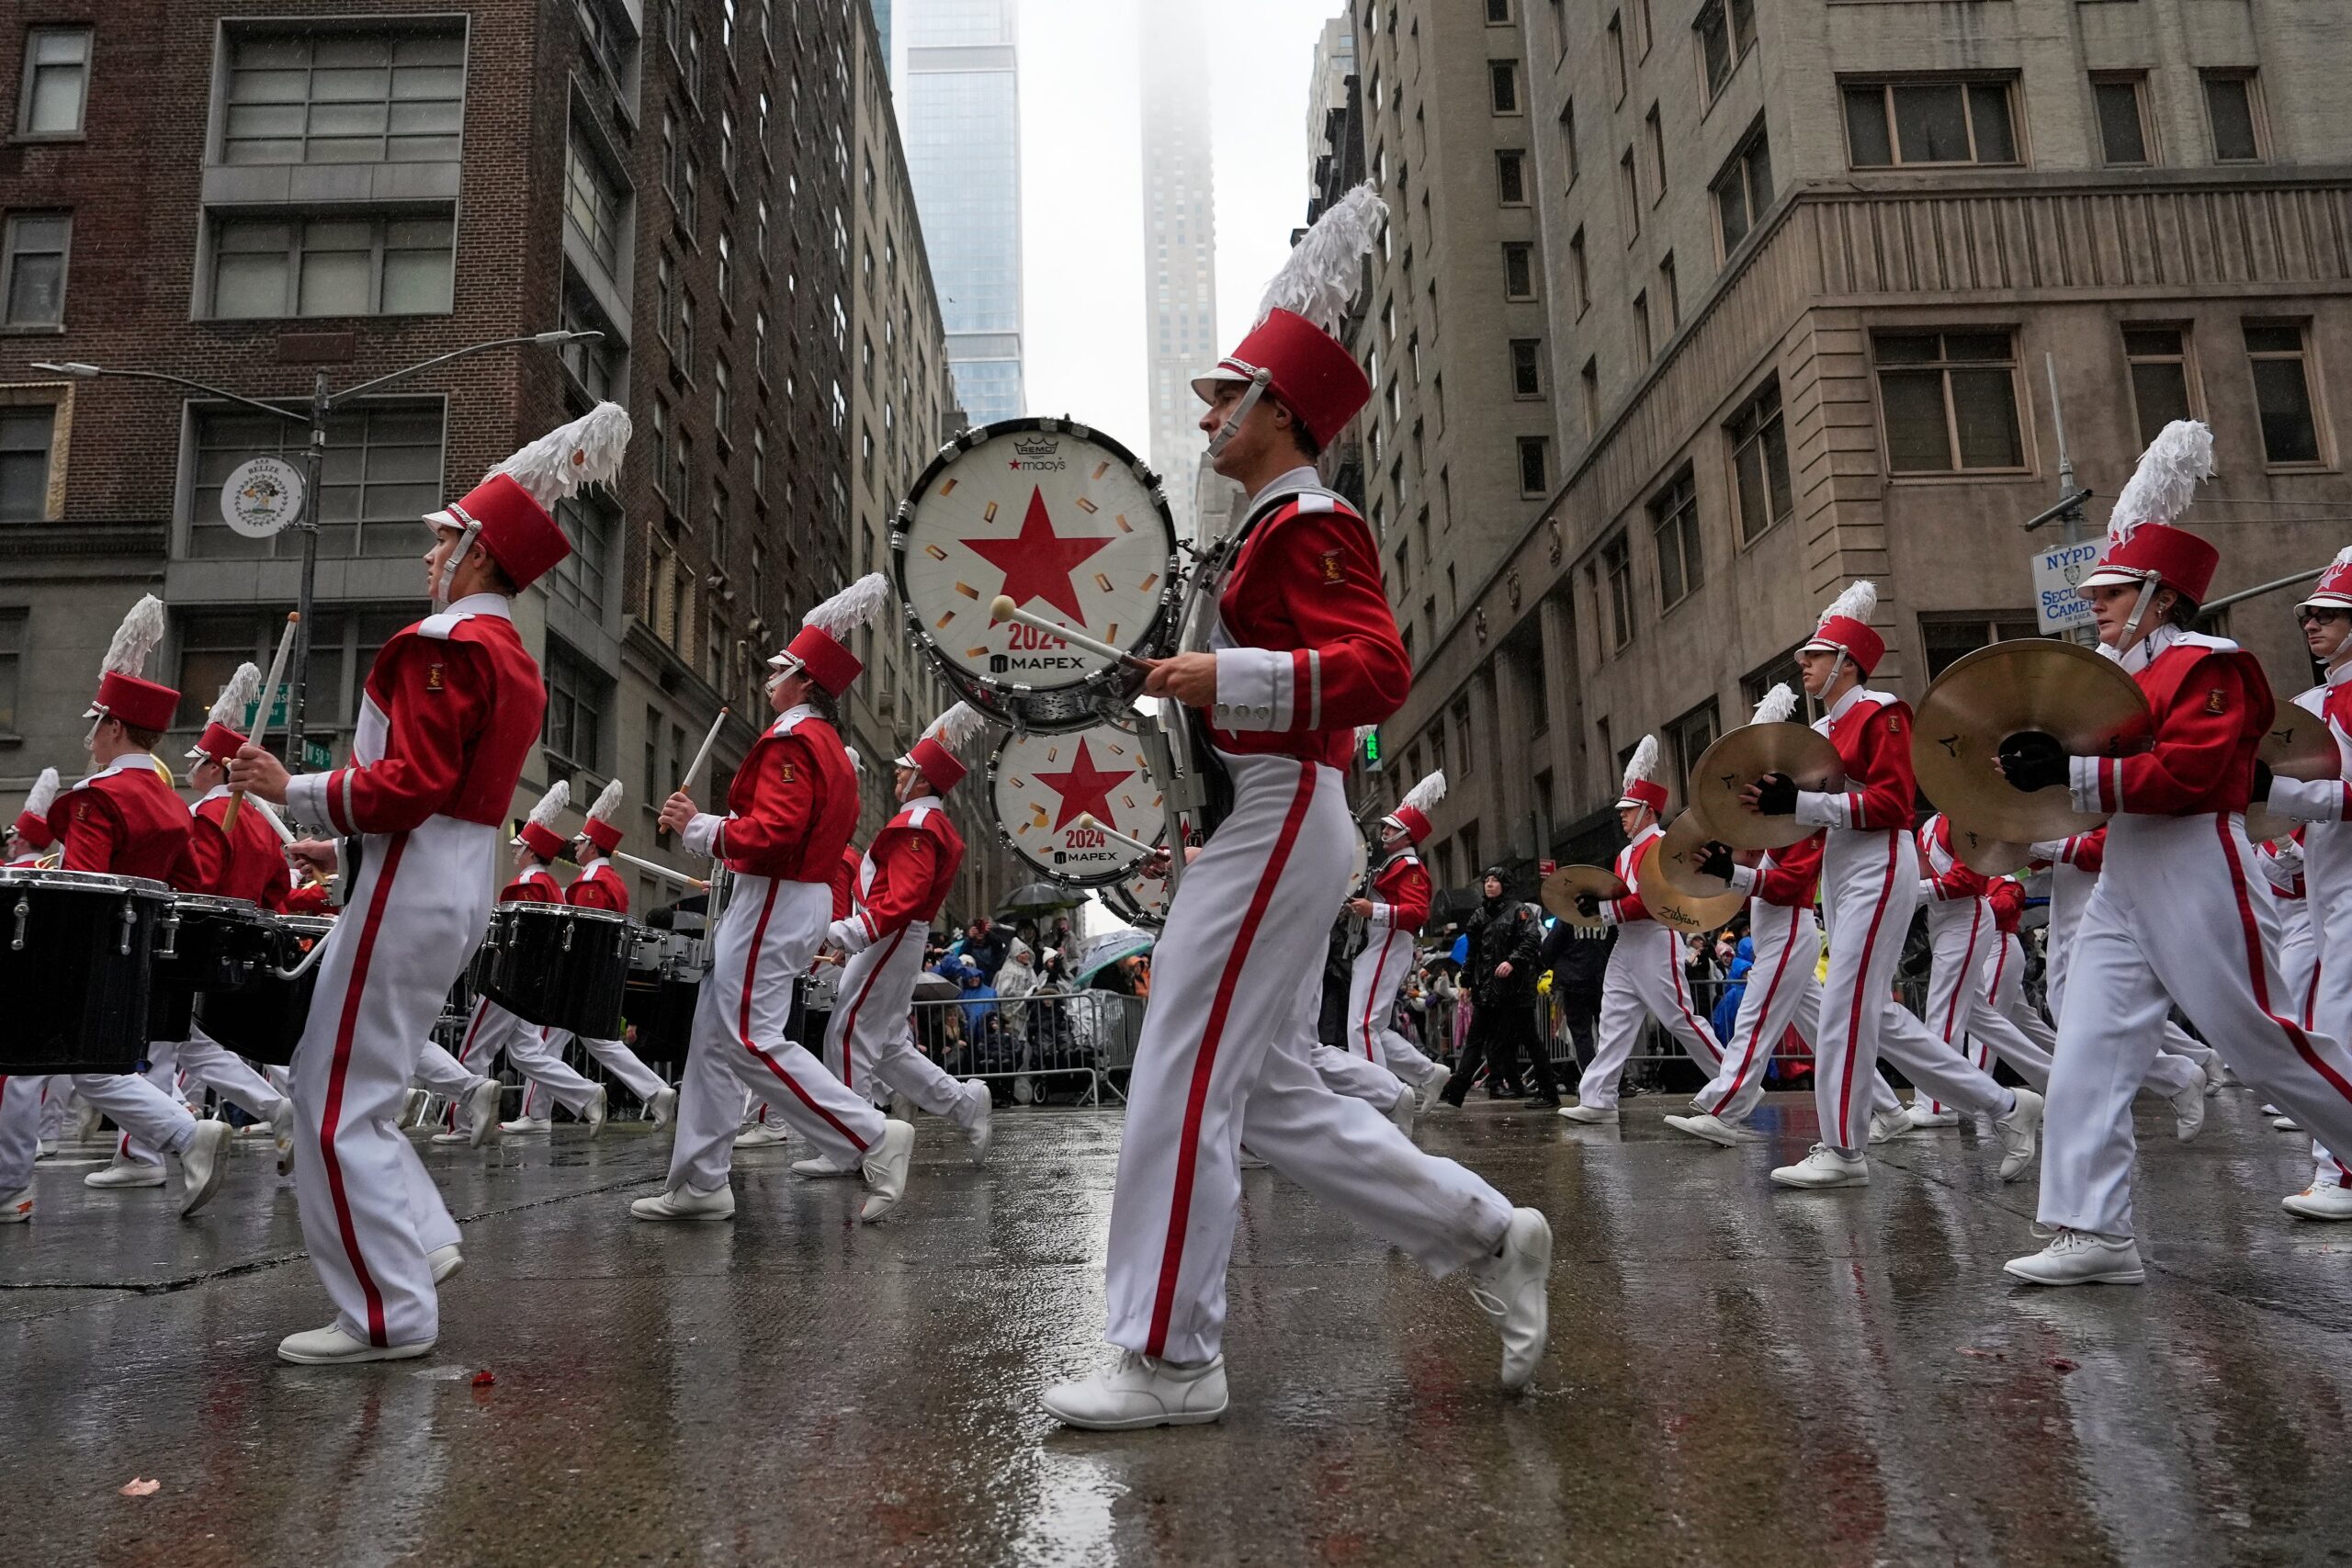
[77,1000]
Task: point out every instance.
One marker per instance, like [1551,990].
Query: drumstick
[1004,609]
[1087,819]
[701,757]
[662,871]
[261,713]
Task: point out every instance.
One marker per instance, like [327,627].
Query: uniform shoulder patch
[2216,700]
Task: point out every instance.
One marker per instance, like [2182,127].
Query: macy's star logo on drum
[1084,788]
[1037,563]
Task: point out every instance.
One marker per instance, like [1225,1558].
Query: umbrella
[933,987]
[1099,951]
[1042,899]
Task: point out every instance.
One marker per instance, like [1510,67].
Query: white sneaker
[1920,1116]
[1592,1115]
[2020,1132]
[1433,1089]
[445,1262]
[2188,1110]
[662,1108]
[281,1133]
[596,1112]
[1138,1392]
[2286,1124]
[2320,1201]
[760,1136]
[2216,1075]
[1712,1128]
[528,1125]
[1886,1125]
[202,1166]
[1824,1166]
[330,1346]
[983,1128]
[45,1149]
[2081,1257]
[16,1207]
[688,1203]
[122,1172]
[885,1171]
[481,1113]
[1514,1289]
[1401,1114]
[817,1165]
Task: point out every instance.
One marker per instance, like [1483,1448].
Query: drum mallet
[261,713]
[1004,609]
[701,757]
[662,871]
[1087,819]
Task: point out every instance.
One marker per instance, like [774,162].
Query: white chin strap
[1259,381]
[441,585]
[2148,586]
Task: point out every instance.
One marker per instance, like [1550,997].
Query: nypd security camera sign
[262,497]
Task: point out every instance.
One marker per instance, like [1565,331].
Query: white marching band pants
[1644,977]
[1224,1059]
[1374,980]
[2306,932]
[1781,994]
[493,1030]
[2180,915]
[869,1040]
[1970,958]
[145,1113]
[628,1068]
[200,1062]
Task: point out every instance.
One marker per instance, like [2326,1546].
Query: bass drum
[1043,785]
[1067,524]
[557,965]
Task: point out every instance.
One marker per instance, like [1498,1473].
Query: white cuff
[2308,800]
[1254,689]
[1821,808]
[848,935]
[2050,850]
[2082,785]
[1744,877]
[306,797]
[702,833]
[1382,915]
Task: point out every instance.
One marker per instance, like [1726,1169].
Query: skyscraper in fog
[959,114]
[1180,241]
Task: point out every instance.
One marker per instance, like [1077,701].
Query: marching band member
[1870,875]
[903,882]
[125,820]
[452,709]
[1394,914]
[761,1127]
[2326,861]
[1305,649]
[792,807]
[1645,974]
[2180,915]
[29,841]
[1965,936]
[599,886]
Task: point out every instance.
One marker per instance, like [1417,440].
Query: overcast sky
[1081,186]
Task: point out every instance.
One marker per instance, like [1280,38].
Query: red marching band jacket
[1626,911]
[1309,647]
[124,820]
[845,881]
[2007,895]
[909,870]
[453,707]
[1871,731]
[598,886]
[793,804]
[1401,894]
[1946,879]
[533,885]
[245,861]
[2211,706]
[1789,877]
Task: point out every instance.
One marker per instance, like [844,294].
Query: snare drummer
[792,807]
[599,886]
[452,709]
[124,820]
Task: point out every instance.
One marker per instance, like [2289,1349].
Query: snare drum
[558,965]
[1041,785]
[208,944]
[1139,900]
[1067,524]
[76,955]
[665,975]
[264,1018]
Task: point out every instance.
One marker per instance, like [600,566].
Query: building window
[1534,465]
[1617,590]
[1497,12]
[1759,462]
[2125,135]
[12,649]
[727,145]
[382,472]
[573,731]
[1743,190]
[1674,527]
[324,95]
[722,401]
[2233,113]
[1511,178]
[264,268]
[32,269]
[56,83]
[344,645]
[594,202]
[1947,640]
[1946,120]
[1643,351]
[1519,271]
[1686,739]
[1671,290]
[1629,197]
[592,522]
[1462,743]
[2282,390]
[1950,399]
[2164,389]
[1580,272]
[27,437]
[1502,86]
[685,340]
[1726,30]
[1526,367]
[679,174]
[1617,57]
[1568,140]
[1588,395]
[1654,131]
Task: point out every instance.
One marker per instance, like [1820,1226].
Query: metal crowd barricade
[1080,1041]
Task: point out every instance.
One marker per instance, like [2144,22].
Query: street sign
[316,757]
[276,713]
[262,497]
[2056,574]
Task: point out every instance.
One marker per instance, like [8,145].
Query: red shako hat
[599,830]
[821,646]
[221,738]
[1412,815]
[1846,628]
[510,512]
[2333,589]
[538,834]
[123,691]
[1641,786]
[934,757]
[2143,547]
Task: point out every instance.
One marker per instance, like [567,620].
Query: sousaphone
[2082,699]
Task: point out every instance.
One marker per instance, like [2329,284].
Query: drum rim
[305,922]
[1004,834]
[82,881]
[961,445]
[537,908]
[215,903]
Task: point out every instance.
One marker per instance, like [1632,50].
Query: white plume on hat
[559,464]
[2161,487]
[1643,768]
[2343,557]
[1362,730]
[1777,705]
[1857,604]
[856,763]
[1426,793]
[956,726]
[551,805]
[140,633]
[243,691]
[853,607]
[43,794]
[1320,276]
[607,801]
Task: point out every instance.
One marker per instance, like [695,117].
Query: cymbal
[1679,853]
[2299,746]
[1670,907]
[2033,683]
[1987,856]
[1560,889]
[1744,755]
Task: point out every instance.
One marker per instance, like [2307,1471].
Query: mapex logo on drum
[1040,457]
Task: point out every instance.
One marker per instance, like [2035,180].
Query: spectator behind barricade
[979,1000]
[985,944]
[1726,1010]
[1013,984]
[1576,956]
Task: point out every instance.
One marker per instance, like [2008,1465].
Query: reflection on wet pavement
[1738,1374]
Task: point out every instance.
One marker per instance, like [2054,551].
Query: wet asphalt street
[1739,1375]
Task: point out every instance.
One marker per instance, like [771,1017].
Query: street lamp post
[323,403]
